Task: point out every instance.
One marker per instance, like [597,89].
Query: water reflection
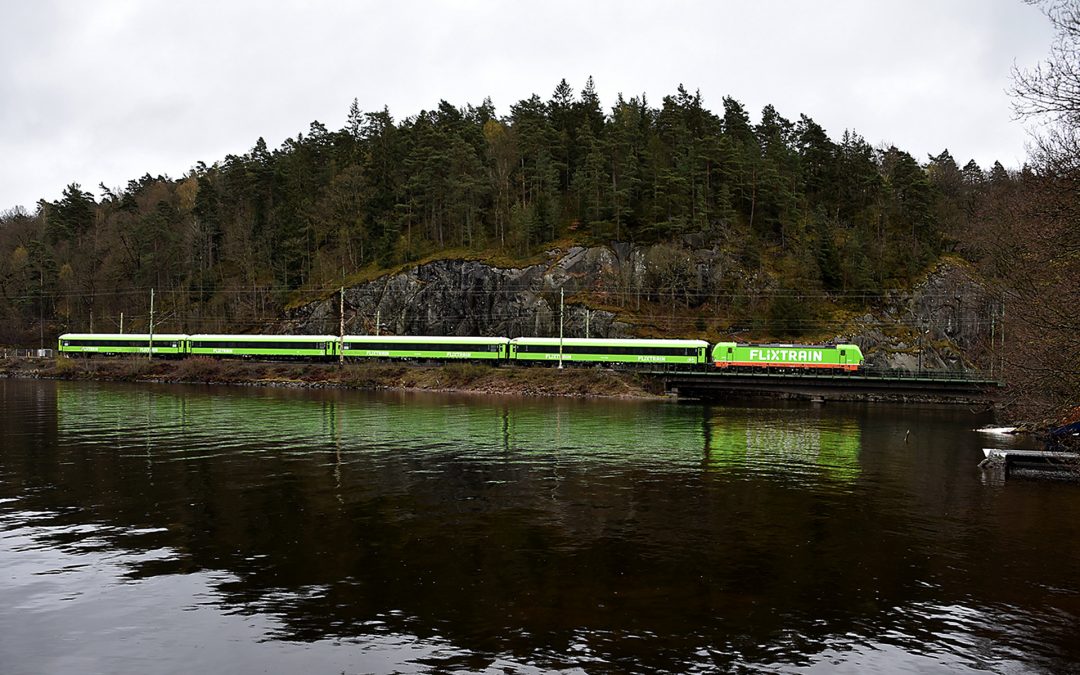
[791,443]
[223,421]
[401,532]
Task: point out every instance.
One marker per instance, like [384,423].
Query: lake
[177,529]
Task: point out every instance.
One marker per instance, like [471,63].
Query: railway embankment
[459,377]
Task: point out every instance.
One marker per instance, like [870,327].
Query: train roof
[122,336]
[428,339]
[255,337]
[612,342]
[786,345]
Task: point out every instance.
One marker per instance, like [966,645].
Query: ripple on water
[331,531]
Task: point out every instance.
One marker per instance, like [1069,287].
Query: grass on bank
[452,377]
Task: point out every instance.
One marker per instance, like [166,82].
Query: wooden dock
[1030,459]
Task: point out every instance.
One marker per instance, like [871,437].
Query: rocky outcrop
[948,321]
[467,297]
[943,323]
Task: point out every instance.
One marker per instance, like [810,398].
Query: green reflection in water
[774,441]
[828,446]
[344,421]
[161,415]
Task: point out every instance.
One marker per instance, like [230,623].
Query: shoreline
[458,378]
[453,378]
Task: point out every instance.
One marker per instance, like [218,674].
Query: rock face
[466,297]
[944,323]
[949,321]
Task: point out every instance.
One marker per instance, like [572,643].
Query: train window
[423,347]
[108,343]
[615,350]
[843,352]
[238,344]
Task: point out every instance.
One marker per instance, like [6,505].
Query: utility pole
[121,323]
[561,307]
[41,304]
[587,313]
[341,327]
[150,351]
[922,347]
[377,313]
[1002,337]
[91,321]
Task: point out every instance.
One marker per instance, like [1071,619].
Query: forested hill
[231,243]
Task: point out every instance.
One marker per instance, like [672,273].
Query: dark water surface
[148,529]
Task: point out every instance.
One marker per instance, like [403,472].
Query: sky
[110,90]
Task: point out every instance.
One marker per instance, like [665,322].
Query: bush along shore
[455,377]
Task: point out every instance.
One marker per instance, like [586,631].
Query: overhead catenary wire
[582,300]
[636,292]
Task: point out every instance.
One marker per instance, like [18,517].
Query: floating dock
[1030,459]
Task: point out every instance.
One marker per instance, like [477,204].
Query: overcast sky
[106,91]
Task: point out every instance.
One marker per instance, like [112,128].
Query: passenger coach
[280,346]
[424,347]
[88,344]
[627,350]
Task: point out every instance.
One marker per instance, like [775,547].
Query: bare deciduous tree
[1042,226]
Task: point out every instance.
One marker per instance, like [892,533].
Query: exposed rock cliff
[943,323]
[948,321]
[467,297]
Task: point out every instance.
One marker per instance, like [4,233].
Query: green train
[664,353]
[422,347]
[844,357]
[112,344]
[585,350]
[302,346]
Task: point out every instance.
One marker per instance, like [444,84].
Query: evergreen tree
[539,174]
[947,181]
[589,110]
[71,215]
[817,160]
[561,114]
[827,256]
[625,142]
[778,175]
[910,210]
[740,156]
[973,176]
[998,174]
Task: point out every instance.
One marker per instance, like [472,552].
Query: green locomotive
[842,357]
